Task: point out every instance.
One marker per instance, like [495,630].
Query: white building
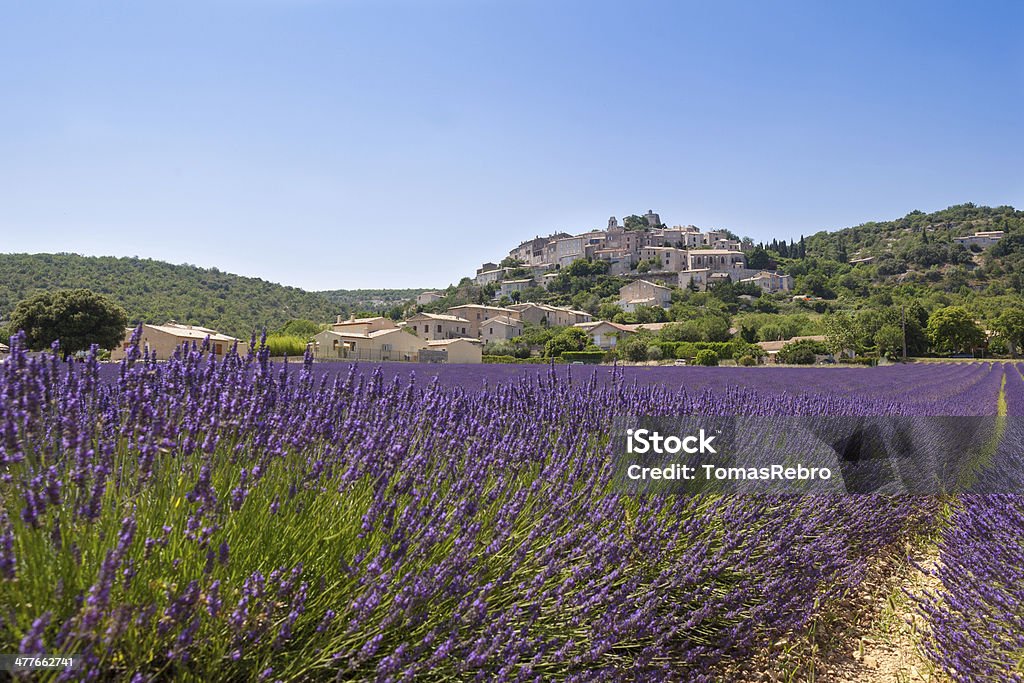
[983,238]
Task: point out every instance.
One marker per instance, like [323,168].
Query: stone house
[162,340]
[429,326]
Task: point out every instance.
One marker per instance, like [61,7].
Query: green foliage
[803,352]
[298,327]
[953,330]
[155,292]
[569,339]
[747,361]
[537,335]
[77,317]
[889,342]
[286,345]
[759,258]
[377,300]
[1009,325]
[706,357]
[582,277]
[634,222]
[589,357]
[840,332]
[635,347]
[512,359]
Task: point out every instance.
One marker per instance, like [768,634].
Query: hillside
[916,257]
[370,299]
[154,291]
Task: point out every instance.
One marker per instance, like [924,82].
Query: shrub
[654,352]
[860,360]
[590,357]
[706,357]
[536,360]
[747,361]
[801,352]
[286,345]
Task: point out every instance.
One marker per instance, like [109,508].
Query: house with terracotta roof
[605,335]
[552,316]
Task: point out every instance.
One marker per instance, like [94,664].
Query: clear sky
[376,143]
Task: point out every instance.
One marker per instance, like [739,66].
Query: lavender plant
[228,518]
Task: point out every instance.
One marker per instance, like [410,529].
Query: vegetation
[155,292]
[78,318]
[706,357]
[803,352]
[286,345]
[869,289]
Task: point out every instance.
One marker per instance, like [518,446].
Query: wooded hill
[155,292]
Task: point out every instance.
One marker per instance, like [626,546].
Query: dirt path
[873,636]
[888,630]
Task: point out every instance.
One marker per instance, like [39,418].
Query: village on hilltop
[652,260]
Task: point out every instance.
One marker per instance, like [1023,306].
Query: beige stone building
[670,258]
[605,335]
[363,325]
[379,345]
[456,350]
[698,277]
[553,316]
[428,326]
[771,282]
[477,313]
[510,287]
[424,298]
[716,260]
[162,340]
[644,293]
[500,328]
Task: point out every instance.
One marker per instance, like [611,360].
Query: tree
[706,357]
[1010,326]
[889,341]
[79,318]
[840,332]
[634,222]
[298,327]
[759,258]
[569,339]
[634,347]
[953,330]
[803,352]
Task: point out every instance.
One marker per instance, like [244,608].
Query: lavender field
[235,519]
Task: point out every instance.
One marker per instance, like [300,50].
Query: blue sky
[380,143]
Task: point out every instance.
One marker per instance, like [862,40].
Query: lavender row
[977,617]
[235,519]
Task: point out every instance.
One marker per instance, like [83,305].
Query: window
[439,327]
[385,347]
